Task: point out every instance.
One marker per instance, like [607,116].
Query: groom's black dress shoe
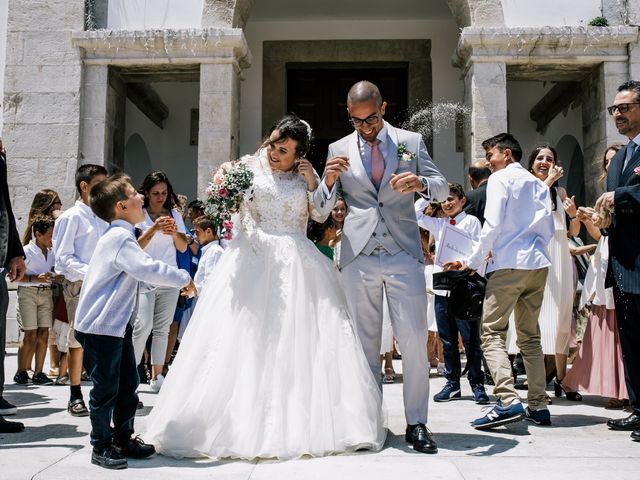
[134,448]
[635,436]
[420,437]
[632,422]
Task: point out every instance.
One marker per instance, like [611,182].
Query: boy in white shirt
[448,325]
[211,250]
[105,313]
[35,302]
[518,226]
[75,236]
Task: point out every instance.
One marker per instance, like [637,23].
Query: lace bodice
[279,203]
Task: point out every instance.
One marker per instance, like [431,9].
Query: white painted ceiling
[348,9]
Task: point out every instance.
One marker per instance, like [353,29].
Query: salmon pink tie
[377,163]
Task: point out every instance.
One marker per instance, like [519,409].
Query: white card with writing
[455,245]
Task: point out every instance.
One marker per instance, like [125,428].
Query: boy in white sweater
[107,306]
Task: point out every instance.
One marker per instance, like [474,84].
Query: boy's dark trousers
[448,328]
[111,365]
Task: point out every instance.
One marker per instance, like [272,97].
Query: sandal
[558,389]
[77,408]
[63,380]
[389,376]
[614,404]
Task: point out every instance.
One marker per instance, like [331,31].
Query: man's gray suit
[381,248]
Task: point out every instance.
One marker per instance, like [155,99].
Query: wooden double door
[318,94]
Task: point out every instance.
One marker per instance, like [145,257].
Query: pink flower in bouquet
[208,191]
[637,171]
[227,224]
[217,179]
[223,192]
[227,235]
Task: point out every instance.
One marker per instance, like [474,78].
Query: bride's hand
[306,170]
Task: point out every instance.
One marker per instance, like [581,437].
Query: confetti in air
[430,118]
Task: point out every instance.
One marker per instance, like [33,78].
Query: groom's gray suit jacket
[375,215]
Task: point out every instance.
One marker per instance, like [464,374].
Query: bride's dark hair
[296,129]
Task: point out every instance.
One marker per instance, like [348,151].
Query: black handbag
[466,293]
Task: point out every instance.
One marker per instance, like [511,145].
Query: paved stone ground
[579,445]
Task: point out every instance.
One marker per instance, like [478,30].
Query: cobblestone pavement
[578,445]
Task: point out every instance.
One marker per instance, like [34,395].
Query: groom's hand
[335,167]
[406,182]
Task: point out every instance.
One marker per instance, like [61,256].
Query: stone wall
[41,105]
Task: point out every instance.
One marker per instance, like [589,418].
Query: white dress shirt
[108,299]
[211,254]
[75,236]
[518,222]
[161,246]
[436,226]
[36,263]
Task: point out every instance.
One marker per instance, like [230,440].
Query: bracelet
[572,218]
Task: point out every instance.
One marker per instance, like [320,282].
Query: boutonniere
[637,171]
[405,155]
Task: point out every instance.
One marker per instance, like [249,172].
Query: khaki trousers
[522,290]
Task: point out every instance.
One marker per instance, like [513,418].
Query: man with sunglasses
[623,271]
[378,169]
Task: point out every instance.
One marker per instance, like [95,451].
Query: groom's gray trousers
[403,277]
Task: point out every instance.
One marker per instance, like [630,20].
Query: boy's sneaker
[109,457]
[7,408]
[135,448]
[500,415]
[450,391]
[539,417]
[21,378]
[41,379]
[157,383]
[480,395]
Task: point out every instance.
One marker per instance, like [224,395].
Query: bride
[270,366]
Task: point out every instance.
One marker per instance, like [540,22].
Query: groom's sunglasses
[370,120]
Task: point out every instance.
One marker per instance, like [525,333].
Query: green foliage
[599,22]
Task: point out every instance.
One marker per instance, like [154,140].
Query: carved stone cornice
[548,45]
[121,47]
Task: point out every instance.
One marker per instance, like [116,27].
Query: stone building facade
[68,78]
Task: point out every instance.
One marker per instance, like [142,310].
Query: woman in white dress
[294,378]
[557,305]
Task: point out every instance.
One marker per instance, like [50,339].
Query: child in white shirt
[211,251]
[75,236]
[106,310]
[448,325]
[35,302]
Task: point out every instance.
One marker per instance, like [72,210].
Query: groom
[377,170]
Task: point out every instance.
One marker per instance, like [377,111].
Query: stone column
[219,119]
[486,92]
[599,129]
[93,133]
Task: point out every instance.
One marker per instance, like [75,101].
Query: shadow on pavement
[160,461]
[40,434]
[579,420]
[38,412]
[461,442]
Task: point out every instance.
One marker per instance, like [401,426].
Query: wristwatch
[425,182]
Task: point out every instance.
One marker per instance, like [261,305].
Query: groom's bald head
[364,92]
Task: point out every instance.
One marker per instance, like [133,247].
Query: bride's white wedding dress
[270,366]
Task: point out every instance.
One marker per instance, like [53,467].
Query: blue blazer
[624,232]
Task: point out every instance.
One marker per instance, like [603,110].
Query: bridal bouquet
[225,193]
